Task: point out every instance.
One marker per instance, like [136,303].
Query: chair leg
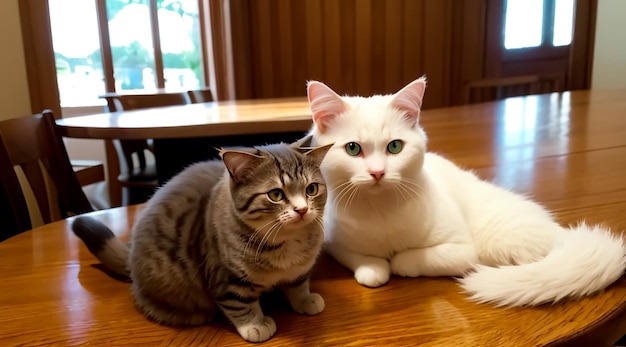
[113,171]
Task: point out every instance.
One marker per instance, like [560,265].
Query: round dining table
[185,134]
[564,150]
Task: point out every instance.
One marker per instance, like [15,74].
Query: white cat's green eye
[276,195]
[312,189]
[353,149]
[394,147]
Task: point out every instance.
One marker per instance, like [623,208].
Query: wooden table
[219,118]
[567,151]
[189,133]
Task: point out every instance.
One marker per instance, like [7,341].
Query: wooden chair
[136,179]
[88,171]
[491,89]
[200,95]
[32,145]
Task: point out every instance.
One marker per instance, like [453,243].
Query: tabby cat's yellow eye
[394,147]
[353,149]
[312,189]
[276,195]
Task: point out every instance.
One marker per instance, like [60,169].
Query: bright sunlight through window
[523,23]
[563,21]
[526,24]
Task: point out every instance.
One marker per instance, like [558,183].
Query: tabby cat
[213,238]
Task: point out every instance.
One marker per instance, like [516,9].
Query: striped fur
[214,239]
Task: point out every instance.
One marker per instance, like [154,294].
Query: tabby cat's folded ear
[325,104]
[317,153]
[303,142]
[409,100]
[240,162]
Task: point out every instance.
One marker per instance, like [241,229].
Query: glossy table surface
[218,118]
[567,151]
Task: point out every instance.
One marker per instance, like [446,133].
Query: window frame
[41,67]
[545,50]
[580,57]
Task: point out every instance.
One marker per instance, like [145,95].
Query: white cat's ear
[409,99]
[240,163]
[325,104]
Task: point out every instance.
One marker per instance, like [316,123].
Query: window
[152,44]
[535,23]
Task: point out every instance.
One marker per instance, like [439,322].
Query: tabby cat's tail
[102,243]
[584,260]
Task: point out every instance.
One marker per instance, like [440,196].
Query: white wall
[609,61]
[14,95]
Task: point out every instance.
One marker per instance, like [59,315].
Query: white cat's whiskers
[348,191]
[353,193]
[342,190]
[411,188]
[401,191]
[417,187]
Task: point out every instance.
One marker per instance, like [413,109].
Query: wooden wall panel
[359,47]
[349,46]
[393,46]
[331,43]
[365,47]
[412,44]
[436,41]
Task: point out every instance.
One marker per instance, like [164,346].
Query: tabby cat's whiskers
[273,229]
[254,235]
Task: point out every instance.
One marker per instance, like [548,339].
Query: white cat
[394,209]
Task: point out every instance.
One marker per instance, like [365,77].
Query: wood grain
[568,151]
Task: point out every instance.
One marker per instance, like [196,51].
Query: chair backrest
[13,207]
[127,148]
[32,145]
[491,89]
[119,102]
[133,169]
[200,95]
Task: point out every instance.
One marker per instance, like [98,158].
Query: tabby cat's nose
[301,210]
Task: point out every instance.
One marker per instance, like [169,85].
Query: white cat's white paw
[403,264]
[373,275]
[311,305]
[258,332]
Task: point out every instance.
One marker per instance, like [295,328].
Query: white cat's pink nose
[377,175]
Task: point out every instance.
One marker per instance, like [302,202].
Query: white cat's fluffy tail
[584,260]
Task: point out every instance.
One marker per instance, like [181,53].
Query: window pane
[523,23]
[131,44]
[179,29]
[76,44]
[563,18]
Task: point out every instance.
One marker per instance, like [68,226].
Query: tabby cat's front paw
[373,275]
[258,332]
[311,305]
